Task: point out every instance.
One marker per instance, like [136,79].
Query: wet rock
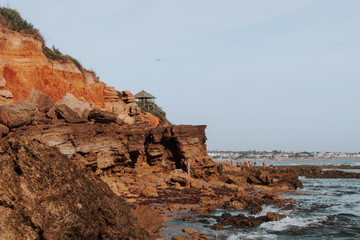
[217,227]
[190,231]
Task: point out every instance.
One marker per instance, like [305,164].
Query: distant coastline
[227,160]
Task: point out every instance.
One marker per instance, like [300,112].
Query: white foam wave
[253,235]
[266,209]
[287,222]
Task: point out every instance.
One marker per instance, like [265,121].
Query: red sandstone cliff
[24,66]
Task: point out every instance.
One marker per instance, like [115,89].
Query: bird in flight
[158,59]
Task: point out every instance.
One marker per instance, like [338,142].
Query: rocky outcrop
[43,195]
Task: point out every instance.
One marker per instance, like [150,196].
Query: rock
[178,176]
[178,237]
[3,130]
[6,97]
[44,102]
[72,109]
[52,114]
[15,115]
[150,192]
[217,227]
[127,97]
[2,82]
[271,216]
[100,116]
[44,195]
[133,109]
[148,218]
[190,231]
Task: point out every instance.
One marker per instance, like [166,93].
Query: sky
[262,75]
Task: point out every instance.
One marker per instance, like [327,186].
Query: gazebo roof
[144,95]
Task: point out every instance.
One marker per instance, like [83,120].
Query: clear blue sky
[261,74]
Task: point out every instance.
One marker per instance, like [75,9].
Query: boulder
[148,218]
[5,97]
[3,130]
[150,192]
[100,116]
[16,115]
[44,102]
[271,216]
[178,176]
[72,109]
[127,97]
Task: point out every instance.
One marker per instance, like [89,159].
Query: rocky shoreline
[146,166]
[80,160]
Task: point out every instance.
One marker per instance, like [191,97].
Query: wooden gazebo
[145,97]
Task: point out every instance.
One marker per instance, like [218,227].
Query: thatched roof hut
[144,95]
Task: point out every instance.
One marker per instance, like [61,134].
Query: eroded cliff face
[24,66]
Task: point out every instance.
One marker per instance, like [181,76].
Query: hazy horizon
[260,74]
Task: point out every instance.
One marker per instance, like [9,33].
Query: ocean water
[325,209]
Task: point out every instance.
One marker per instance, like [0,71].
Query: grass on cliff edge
[11,19]
[153,108]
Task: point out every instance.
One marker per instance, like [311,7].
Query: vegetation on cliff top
[153,108]
[11,19]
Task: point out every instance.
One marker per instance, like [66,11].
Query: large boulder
[44,102]
[100,116]
[72,109]
[44,195]
[17,115]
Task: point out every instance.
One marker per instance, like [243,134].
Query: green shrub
[55,54]
[11,19]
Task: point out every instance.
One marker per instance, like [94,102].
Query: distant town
[275,155]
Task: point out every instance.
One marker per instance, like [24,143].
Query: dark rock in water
[311,171]
[43,195]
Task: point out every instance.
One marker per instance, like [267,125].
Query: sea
[325,209]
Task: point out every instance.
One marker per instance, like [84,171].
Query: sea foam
[288,222]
